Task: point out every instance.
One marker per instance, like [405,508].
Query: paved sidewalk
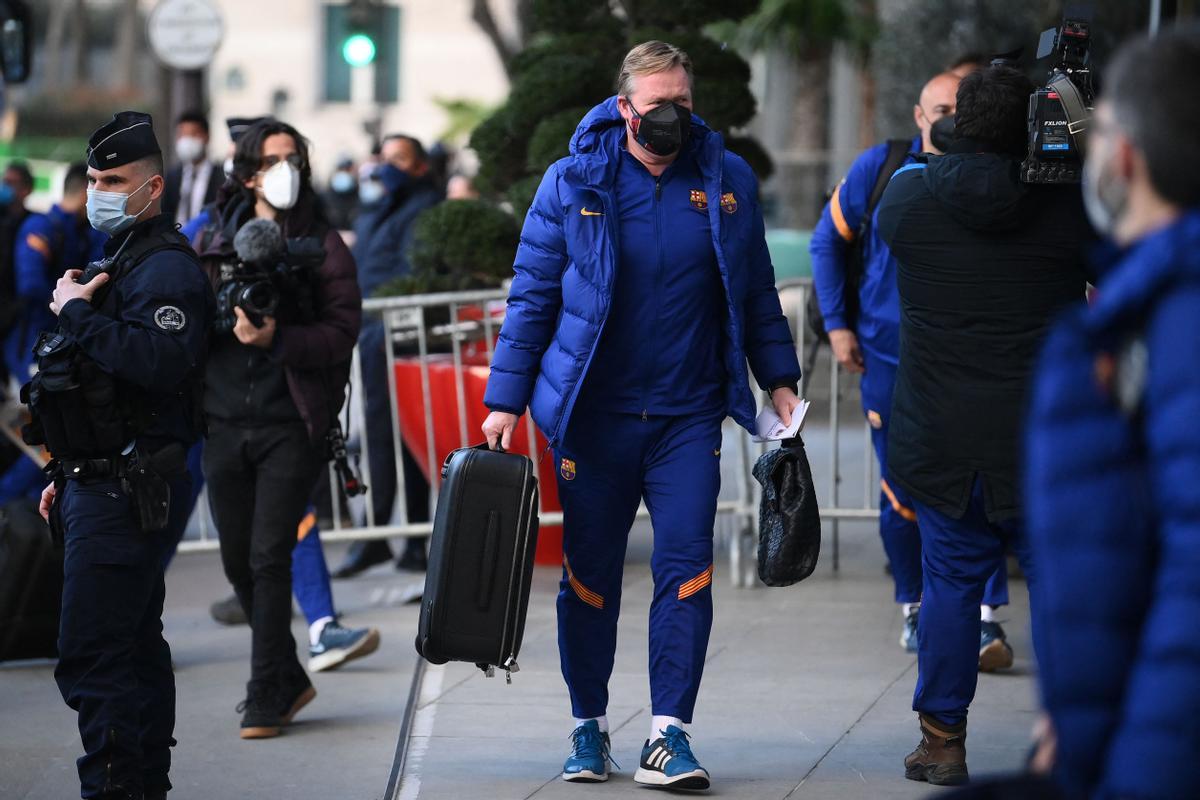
[806,694]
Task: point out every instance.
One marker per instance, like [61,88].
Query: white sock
[314,630]
[987,614]
[659,724]
[911,607]
[601,721]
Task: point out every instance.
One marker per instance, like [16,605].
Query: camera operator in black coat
[985,262]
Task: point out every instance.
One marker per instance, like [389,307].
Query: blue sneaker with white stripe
[668,762]
[588,762]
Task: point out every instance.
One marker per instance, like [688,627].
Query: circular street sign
[185,34]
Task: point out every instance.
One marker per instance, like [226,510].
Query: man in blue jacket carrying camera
[643,285]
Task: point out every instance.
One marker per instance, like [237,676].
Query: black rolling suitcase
[480,560]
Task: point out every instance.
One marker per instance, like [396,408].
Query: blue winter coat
[46,246]
[567,259]
[1112,467]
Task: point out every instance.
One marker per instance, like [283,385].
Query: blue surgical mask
[342,182]
[393,178]
[6,194]
[106,210]
[370,191]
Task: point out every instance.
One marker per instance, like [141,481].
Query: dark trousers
[379,416]
[958,556]
[114,665]
[607,465]
[259,481]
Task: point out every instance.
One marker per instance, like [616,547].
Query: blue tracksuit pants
[608,463]
[958,556]
[897,519]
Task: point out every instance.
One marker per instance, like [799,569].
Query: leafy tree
[568,65]
[921,37]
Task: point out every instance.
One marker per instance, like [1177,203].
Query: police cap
[239,125]
[128,138]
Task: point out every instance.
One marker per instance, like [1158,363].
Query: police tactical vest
[78,410]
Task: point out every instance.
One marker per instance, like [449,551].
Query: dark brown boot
[941,757]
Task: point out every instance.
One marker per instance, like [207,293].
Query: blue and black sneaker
[588,762]
[668,762]
[994,650]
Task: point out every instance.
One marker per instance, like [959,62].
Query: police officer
[132,338]
[652,233]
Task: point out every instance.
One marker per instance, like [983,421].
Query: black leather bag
[480,560]
[789,522]
[30,584]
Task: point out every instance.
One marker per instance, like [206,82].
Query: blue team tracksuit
[635,306]
[878,330]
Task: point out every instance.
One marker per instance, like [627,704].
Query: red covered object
[447,433]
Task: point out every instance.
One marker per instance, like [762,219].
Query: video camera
[1059,111]
[269,270]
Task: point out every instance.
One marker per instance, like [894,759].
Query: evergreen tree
[570,65]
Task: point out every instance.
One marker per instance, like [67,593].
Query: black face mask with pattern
[664,130]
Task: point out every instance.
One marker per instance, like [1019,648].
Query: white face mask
[228,167]
[281,186]
[189,149]
[107,210]
[1105,196]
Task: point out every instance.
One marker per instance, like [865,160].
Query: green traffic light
[359,50]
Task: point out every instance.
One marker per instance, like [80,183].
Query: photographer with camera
[1113,451]
[289,313]
[984,263]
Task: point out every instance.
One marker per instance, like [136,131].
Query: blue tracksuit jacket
[660,353]
[47,245]
[566,267]
[878,323]
[1112,464]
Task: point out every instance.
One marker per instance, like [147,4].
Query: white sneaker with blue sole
[339,645]
[668,762]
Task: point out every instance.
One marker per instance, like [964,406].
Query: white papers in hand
[771,427]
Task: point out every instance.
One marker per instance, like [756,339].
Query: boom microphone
[259,242]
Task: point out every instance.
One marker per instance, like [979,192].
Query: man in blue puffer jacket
[643,284]
[1113,453]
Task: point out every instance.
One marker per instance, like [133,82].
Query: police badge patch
[170,318]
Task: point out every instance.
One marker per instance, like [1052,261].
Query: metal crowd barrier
[413,321]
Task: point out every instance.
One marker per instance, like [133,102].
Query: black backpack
[897,152]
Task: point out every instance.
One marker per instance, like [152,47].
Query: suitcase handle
[484,447]
[487,567]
